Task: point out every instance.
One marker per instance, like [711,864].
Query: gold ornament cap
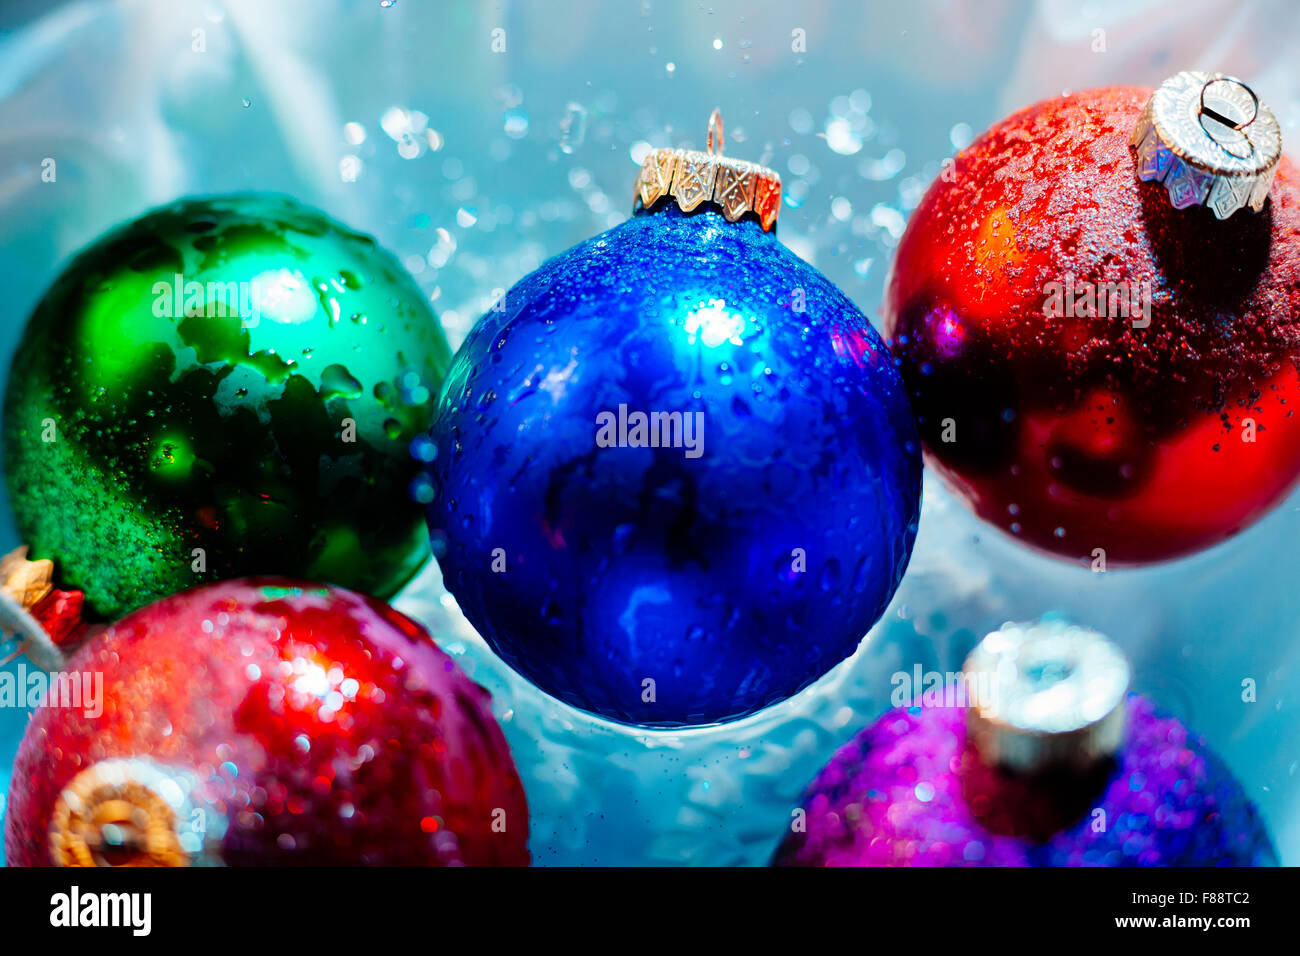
[133,812]
[692,178]
[1210,140]
[1052,698]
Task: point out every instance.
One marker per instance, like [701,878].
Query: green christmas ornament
[225,386]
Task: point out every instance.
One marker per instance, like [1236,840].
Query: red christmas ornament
[1092,367]
[265,721]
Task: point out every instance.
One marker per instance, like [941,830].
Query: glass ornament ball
[675,476]
[910,790]
[1102,375]
[226,385]
[266,721]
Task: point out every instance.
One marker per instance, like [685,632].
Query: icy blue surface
[475,166]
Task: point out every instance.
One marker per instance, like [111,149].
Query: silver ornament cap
[1052,697]
[1210,140]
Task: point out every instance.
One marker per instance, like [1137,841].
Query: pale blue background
[534,152]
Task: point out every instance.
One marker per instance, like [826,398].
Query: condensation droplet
[337,382]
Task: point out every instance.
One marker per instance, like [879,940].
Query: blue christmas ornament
[674,476]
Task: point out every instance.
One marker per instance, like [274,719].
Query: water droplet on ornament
[862,574]
[830,576]
[337,382]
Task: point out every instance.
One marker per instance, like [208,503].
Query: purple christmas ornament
[1039,757]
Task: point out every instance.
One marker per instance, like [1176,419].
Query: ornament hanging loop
[1218,117]
[715,133]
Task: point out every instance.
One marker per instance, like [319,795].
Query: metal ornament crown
[1052,697]
[1208,138]
[692,177]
